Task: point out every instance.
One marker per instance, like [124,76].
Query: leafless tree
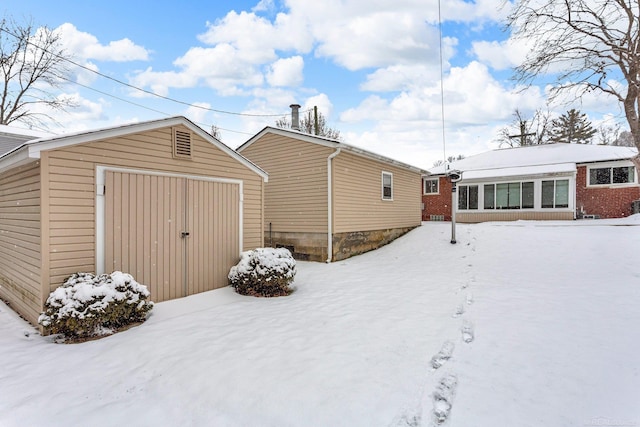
[215,132]
[525,131]
[625,139]
[581,43]
[308,125]
[608,134]
[450,159]
[32,65]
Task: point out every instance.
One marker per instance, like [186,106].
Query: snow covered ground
[519,324]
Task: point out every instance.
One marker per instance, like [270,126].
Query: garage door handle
[184,234]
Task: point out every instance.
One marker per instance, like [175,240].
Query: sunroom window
[467,197]
[555,194]
[508,195]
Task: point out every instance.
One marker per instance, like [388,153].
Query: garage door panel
[142,223]
[213,242]
[145,216]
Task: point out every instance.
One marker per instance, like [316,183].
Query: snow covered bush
[264,272]
[87,305]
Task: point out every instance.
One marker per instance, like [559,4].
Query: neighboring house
[327,200]
[553,181]
[162,200]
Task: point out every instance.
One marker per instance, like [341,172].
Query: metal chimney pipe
[295,116]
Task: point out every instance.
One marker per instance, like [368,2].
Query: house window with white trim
[612,175]
[555,194]
[509,195]
[467,197]
[430,185]
[387,186]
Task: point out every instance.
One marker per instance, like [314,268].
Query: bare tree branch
[582,43]
[32,64]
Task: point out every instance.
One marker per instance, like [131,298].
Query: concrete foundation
[346,245]
[313,246]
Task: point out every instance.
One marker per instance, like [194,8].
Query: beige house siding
[20,238]
[357,195]
[512,216]
[296,194]
[71,180]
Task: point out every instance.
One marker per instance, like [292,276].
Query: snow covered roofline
[12,137]
[327,142]
[29,150]
[497,161]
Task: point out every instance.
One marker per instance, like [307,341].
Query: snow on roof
[12,137]
[496,161]
[520,171]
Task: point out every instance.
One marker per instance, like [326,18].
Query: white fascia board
[34,147]
[523,172]
[16,158]
[325,142]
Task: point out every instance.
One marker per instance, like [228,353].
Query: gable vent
[181,144]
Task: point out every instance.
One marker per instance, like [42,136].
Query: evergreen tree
[572,127]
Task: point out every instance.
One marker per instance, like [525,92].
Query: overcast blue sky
[372,67]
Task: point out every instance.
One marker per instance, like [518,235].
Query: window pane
[387,185]
[489,196]
[527,195]
[502,196]
[547,194]
[462,197]
[473,197]
[514,195]
[600,176]
[430,186]
[623,175]
[562,193]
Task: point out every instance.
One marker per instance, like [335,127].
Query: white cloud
[286,72]
[86,46]
[324,104]
[475,105]
[257,36]
[263,5]
[500,55]
[196,112]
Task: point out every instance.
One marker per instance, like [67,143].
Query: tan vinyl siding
[357,195]
[20,235]
[296,194]
[72,189]
[467,217]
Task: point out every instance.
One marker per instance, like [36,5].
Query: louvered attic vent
[181,144]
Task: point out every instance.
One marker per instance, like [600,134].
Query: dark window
[431,186]
[387,186]
[489,196]
[467,197]
[555,194]
[527,195]
[618,175]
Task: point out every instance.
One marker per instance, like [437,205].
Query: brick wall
[608,202]
[437,204]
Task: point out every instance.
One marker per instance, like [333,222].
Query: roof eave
[314,139]
[31,149]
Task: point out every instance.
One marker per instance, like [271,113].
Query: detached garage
[161,200]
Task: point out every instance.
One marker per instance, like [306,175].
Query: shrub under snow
[264,272]
[87,305]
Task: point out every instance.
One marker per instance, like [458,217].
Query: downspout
[330,206]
